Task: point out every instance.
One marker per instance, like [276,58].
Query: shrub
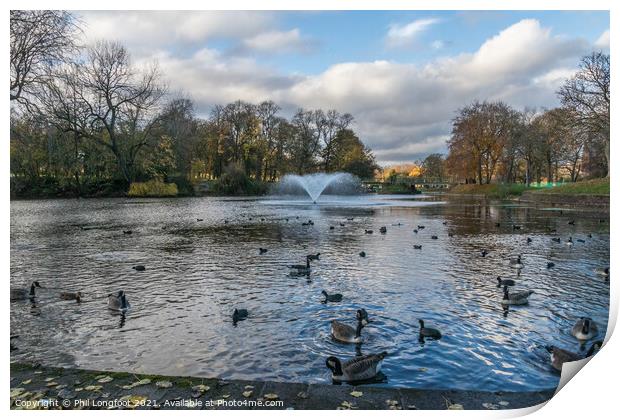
[234,181]
[153,189]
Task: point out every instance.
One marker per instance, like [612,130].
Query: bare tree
[40,40]
[108,101]
[587,95]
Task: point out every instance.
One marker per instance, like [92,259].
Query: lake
[198,272]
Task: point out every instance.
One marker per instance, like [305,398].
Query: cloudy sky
[401,74]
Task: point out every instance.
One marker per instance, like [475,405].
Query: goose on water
[22,293]
[434,237]
[560,356]
[570,241]
[368,231]
[362,254]
[139,267]
[516,298]
[118,301]
[347,334]
[584,329]
[77,296]
[427,332]
[383,229]
[550,265]
[417,247]
[312,257]
[336,297]
[516,262]
[239,315]
[262,250]
[360,368]
[300,269]
[504,282]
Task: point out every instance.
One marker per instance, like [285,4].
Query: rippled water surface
[197,272]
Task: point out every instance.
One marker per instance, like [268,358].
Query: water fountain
[315,184]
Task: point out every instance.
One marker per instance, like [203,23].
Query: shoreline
[66,388]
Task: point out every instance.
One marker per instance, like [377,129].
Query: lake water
[197,272]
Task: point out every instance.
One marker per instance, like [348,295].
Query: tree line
[86,119]
[493,142]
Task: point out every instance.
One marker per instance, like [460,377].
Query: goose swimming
[516,298]
[426,332]
[313,257]
[560,356]
[239,315]
[300,269]
[118,302]
[77,296]
[501,282]
[347,334]
[22,294]
[336,297]
[360,368]
[584,329]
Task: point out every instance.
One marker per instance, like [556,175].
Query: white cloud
[603,41]
[401,35]
[437,44]
[403,111]
[277,42]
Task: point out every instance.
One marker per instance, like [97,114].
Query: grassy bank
[491,190]
[502,191]
[592,187]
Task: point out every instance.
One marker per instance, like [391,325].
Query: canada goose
[571,222]
[602,271]
[336,297]
[560,356]
[584,329]
[77,296]
[558,240]
[347,334]
[417,247]
[362,254]
[305,224]
[516,298]
[497,224]
[313,257]
[239,315]
[262,250]
[262,219]
[226,221]
[310,222]
[349,218]
[415,231]
[445,223]
[589,235]
[118,302]
[550,265]
[360,368]
[368,231]
[383,229]
[501,282]
[341,224]
[434,237]
[127,232]
[529,240]
[421,226]
[484,253]
[200,220]
[426,332]
[570,241]
[300,269]
[139,267]
[22,293]
[581,241]
[516,227]
[332,228]
[516,262]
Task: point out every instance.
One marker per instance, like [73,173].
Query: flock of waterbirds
[366,367]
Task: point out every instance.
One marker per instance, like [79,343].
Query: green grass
[594,186]
[491,190]
[152,189]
